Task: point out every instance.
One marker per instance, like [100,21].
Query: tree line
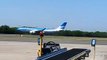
[79,33]
[4,29]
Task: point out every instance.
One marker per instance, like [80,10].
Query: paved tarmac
[27,50]
[58,39]
[16,47]
[99,42]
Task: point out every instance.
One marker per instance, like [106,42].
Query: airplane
[35,29]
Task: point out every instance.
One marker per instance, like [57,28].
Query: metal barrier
[80,54]
[52,54]
[63,54]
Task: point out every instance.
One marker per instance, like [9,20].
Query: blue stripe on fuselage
[29,29]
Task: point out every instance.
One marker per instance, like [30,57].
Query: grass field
[59,39]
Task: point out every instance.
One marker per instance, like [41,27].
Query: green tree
[4,29]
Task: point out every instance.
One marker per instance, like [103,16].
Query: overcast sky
[85,15]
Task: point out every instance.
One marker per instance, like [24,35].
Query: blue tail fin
[62,26]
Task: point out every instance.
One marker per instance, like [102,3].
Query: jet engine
[32,32]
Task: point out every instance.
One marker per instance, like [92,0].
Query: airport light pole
[41,42]
[93,44]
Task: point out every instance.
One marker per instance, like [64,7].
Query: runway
[27,50]
[58,39]
[16,47]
